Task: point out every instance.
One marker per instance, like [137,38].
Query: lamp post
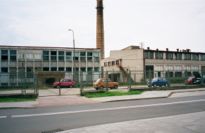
[73,52]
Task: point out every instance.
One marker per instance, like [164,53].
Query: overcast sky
[157,23]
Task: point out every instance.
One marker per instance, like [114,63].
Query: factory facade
[147,63]
[46,62]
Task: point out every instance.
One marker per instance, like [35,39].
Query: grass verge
[18,98]
[111,93]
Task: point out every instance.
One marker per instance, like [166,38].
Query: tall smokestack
[100,28]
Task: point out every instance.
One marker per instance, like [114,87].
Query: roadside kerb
[145,95]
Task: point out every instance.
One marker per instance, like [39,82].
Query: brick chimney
[100,28]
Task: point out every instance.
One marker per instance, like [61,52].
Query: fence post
[106,80]
[129,80]
[81,86]
[59,90]
[202,79]
[35,85]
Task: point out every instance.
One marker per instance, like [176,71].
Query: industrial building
[47,63]
[147,63]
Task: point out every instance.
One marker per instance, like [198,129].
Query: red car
[64,83]
[193,80]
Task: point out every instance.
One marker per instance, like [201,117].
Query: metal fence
[18,82]
[32,81]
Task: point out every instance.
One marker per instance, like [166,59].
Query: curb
[33,104]
[169,95]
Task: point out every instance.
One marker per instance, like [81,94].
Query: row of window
[68,69]
[51,55]
[62,56]
[113,63]
[179,74]
[172,56]
[8,54]
[14,69]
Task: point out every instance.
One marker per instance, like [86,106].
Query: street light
[73,52]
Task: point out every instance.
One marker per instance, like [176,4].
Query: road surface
[49,119]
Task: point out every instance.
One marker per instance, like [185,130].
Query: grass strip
[18,98]
[111,93]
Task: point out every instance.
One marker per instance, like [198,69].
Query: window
[4,55]
[53,68]
[76,57]
[187,56]
[96,59]
[159,55]
[45,69]
[61,68]
[90,69]
[83,59]
[82,54]
[68,56]
[178,56]
[45,55]
[202,57]
[29,72]
[96,69]
[12,69]
[68,69]
[105,64]
[90,59]
[178,74]
[169,56]
[89,56]
[53,55]
[83,69]
[61,55]
[4,70]
[13,55]
[195,57]
[169,74]
[95,54]
[76,69]
[113,63]
[148,55]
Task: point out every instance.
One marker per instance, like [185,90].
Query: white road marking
[105,109]
[2,117]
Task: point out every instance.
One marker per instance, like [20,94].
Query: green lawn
[17,98]
[111,93]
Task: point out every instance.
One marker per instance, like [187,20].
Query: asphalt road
[68,117]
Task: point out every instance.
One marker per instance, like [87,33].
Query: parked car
[102,83]
[64,83]
[158,82]
[194,80]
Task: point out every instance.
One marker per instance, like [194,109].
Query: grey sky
[157,23]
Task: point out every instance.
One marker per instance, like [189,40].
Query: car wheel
[58,87]
[116,87]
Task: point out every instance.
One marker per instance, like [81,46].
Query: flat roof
[44,47]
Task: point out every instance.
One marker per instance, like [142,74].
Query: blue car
[158,82]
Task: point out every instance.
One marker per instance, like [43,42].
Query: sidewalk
[185,123]
[50,97]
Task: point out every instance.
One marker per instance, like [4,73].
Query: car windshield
[97,81]
[190,78]
[155,79]
[65,80]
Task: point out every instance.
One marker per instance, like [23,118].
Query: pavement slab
[63,100]
[185,123]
